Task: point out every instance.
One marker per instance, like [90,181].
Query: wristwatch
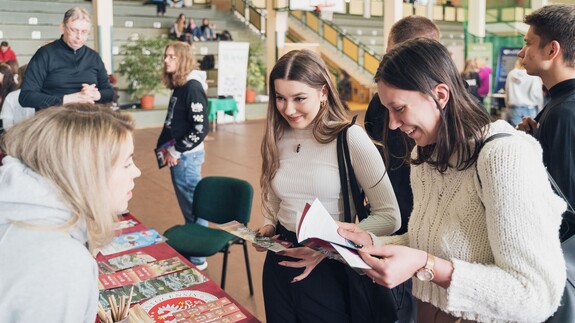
[426,273]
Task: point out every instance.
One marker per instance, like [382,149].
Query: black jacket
[56,70]
[556,133]
[187,119]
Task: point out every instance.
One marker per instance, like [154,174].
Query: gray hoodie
[45,275]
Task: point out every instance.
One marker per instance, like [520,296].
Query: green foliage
[256,79]
[142,65]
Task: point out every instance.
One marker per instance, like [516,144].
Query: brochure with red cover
[141,273]
[162,151]
[317,229]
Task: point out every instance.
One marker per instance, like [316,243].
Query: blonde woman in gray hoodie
[67,172]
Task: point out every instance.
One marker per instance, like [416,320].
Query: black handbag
[566,311]
[369,302]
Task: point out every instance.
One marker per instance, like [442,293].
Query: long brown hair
[420,65]
[306,67]
[8,84]
[186,62]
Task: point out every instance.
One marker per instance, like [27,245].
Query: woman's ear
[442,94]
[324,93]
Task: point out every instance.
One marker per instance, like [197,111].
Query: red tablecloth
[164,251]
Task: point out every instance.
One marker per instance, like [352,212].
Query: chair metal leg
[247,259]
[225,266]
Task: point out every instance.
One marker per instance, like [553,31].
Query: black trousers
[161,7]
[321,297]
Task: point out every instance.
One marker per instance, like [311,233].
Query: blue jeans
[516,112]
[185,177]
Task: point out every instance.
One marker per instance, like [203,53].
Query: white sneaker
[202,266]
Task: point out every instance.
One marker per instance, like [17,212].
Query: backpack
[225,35]
[208,62]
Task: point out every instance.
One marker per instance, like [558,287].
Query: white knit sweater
[313,172]
[501,236]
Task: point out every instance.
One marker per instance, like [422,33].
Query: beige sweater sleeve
[384,217]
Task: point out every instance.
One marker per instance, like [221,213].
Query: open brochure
[317,229]
[240,230]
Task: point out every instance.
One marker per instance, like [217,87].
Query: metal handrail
[253,17]
[340,40]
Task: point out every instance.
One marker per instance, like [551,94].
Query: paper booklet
[133,240]
[155,286]
[240,230]
[162,151]
[317,229]
[140,273]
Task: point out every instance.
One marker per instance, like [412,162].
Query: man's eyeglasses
[83,33]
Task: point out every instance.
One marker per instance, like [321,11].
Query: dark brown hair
[555,22]
[412,27]
[420,65]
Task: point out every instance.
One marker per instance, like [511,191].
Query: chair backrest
[223,199]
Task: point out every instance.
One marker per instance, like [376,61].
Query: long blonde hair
[306,67]
[74,147]
[186,62]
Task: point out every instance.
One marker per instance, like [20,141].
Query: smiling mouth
[410,131]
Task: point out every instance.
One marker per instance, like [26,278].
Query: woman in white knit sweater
[482,242]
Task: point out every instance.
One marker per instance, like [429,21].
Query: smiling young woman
[305,116]
[482,241]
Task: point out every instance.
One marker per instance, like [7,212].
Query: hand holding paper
[318,230]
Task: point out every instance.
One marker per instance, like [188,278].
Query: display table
[227,105]
[161,306]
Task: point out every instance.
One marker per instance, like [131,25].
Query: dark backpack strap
[485,142]
[346,172]
[343,175]
[358,197]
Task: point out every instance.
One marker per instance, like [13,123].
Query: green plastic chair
[218,200]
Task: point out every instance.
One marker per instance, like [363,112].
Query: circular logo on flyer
[161,307]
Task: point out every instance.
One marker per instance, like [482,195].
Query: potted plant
[256,79]
[142,67]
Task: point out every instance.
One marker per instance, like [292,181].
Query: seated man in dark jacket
[66,70]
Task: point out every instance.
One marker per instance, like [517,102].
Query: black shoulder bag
[369,302]
[566,310]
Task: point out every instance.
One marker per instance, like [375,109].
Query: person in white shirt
[523,94]
[12,112]
[482,242]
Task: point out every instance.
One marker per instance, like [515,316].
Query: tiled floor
[231,151]
[234,150]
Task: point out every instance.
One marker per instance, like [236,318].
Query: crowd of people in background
[187,31]
[462,213]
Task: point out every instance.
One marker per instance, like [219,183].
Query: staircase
[29,24]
